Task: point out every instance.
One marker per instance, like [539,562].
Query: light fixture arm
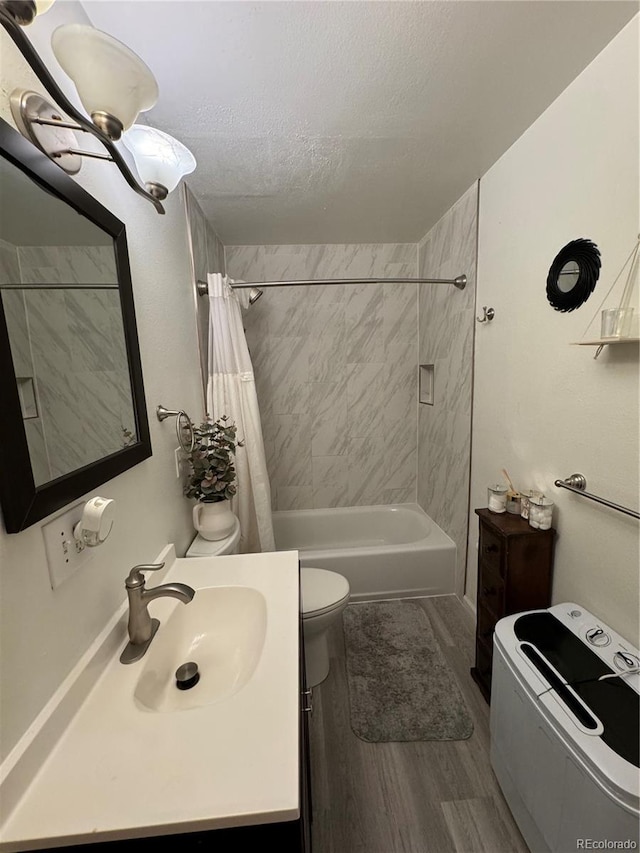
[23,44]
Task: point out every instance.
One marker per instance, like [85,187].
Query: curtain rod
[459,282]
[59,286]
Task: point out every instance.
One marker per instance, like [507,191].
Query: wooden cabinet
[515,563]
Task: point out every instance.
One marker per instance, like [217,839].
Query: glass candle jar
[540,512]
[525,498]
[513,502]
[497,498]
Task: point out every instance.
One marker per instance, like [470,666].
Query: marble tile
[331,495]
[400,406]
[367,470]
[400,320]
[360,357]
[328,470]
[289,378]
[198,232]
[402,458]
[294,497]
[91,339]
[9,266]
[116,331]
[67,264]
[446,329]
[49,330]
[330,481]
[292,451]
[328,344]
[366,403]
[245,263]
[16,318]
[290,263]
[364,323]
[37,451]
[399,496]
[215,252]
[328,409]
[290,317]
[82,377]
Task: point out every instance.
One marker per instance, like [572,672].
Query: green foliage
[212,473]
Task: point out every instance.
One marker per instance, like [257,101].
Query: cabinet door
[306,699]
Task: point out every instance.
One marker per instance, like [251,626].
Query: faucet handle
[136,578]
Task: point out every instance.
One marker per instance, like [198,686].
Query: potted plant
[212,477]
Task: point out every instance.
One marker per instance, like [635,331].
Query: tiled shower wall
[335,371]
[207,255]
[447,322]
[69,346]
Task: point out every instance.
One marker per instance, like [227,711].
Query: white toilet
[325,595]
[201,547]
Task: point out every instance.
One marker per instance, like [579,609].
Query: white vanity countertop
[122,771]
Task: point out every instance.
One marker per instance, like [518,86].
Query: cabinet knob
[491,549]
[488,590]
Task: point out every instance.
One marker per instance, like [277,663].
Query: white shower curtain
[231,391]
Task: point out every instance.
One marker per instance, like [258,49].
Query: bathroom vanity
[121,759]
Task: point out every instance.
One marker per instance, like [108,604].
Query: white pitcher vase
[213,520]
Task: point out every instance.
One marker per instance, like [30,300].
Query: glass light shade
[160,159]
[43,5]
[109,77]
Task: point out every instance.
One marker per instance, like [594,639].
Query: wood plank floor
[419,797]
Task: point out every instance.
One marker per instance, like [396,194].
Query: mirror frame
[23,502]
[586,256]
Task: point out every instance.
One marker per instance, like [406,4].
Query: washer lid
[321,590]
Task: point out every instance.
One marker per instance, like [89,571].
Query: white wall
[544,409]
[44,632]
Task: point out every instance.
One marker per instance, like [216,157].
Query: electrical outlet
[64,558]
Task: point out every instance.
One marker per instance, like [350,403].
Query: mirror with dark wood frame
[74,413]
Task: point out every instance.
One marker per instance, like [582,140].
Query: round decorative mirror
[573,275]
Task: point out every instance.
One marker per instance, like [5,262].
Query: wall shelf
[600,342]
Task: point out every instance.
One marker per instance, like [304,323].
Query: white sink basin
[222,630]
[231,760]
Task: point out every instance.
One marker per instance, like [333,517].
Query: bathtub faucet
[142,628]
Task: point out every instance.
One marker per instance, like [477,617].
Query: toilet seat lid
[322,590]
[201,547]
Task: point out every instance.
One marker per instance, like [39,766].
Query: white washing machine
[564,741]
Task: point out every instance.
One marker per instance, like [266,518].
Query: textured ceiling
[331,122]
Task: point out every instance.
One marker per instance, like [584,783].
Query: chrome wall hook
[487,316]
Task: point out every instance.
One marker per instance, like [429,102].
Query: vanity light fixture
[24,11]
[113,83]
[160,159]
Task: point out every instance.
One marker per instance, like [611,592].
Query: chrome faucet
[142,627]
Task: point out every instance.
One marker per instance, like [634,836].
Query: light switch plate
[63,558]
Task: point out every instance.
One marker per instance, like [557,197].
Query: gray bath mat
[400,686]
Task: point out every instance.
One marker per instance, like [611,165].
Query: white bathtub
[393,551]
